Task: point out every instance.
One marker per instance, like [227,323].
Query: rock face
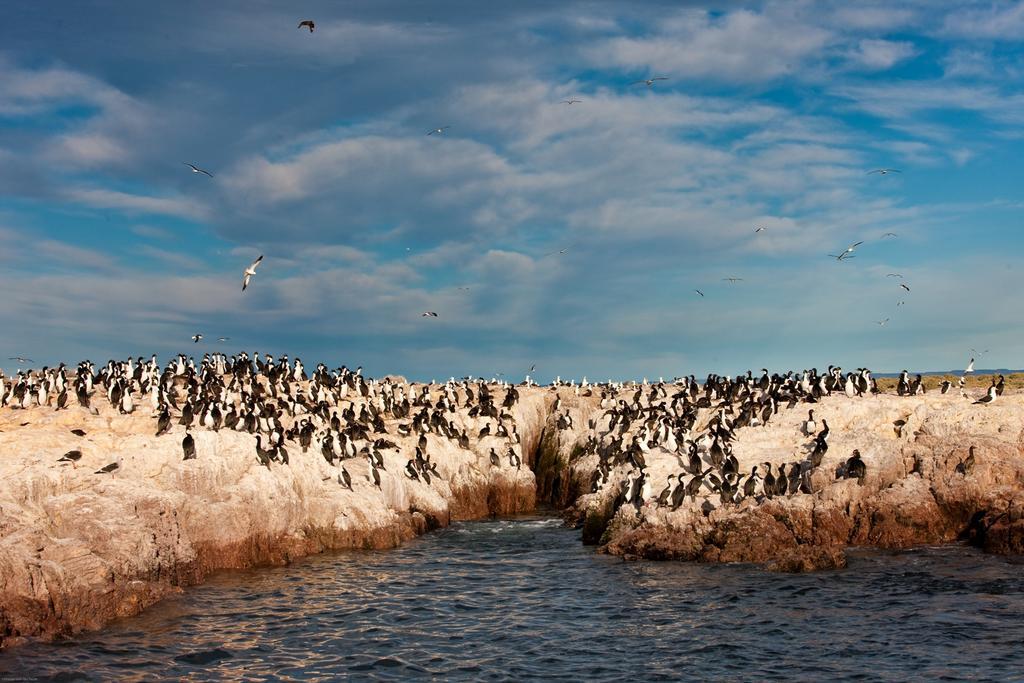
[78,548]
[913,492]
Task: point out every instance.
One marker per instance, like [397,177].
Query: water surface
[523,599]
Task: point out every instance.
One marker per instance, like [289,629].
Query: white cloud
[999,21]
[138,204]
[879,55]
[739,46]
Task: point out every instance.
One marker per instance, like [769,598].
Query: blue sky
[772,114]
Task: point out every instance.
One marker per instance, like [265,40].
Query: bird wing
[660,78]
[256,262]
[206,172]
[245,281]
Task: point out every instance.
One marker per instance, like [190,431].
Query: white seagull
[249,272]
[699,292]
[21,360]
[428,314]
[970,367]
[760,229]
[885,171]
[196,338]
[571,100]
[649,82]
[881,322]
[847,252]
[439,131]
[196,169]
[904,287]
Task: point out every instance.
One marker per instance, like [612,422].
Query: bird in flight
[308,23]
[223,339]
[196,169]
[970,367]
[885,171]
[760,229]
[979,353]
[900,303]
[196,338]
[464,289]
[533,367]
[649,82]
[571,100]
[904,286]
[881,322]
[21,360]
[894,275]
[890,234]
[428,314]
[559,252]
[249,272]
[439,131]
[731,279]
[847,252]
[699,292]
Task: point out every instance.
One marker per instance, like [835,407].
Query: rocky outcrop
[913,493]
[78,548]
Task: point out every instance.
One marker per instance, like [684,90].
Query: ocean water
[522,599]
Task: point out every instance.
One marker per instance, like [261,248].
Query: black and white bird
[223,339]
[970,367]
[188,447]
[196,169]
[250,271]
[21,360]
[438,131]
[760,229]
[196,338]
[989,397]
[571,100]
[894,275]
[649,82]
[904,286]
[428,314]
[890,234]
[699,292]
[885,171]
[732,280]
[847,253]
[881,323]
[307,23]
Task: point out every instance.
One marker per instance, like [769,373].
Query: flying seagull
[970,367]
[428,314]
[250,271]
[979,353]
[699,292]
[559,252]
[649,82]
[904,287]
[533,367]
[894,275]
[890,234]
[308,23]
[846,252]
[885,171]
[881,322]
[464,289]
[223,339]
[900,303]
[760,229]
[21,360]
[196,169]
[439,131]
[731,279]
[196,338]
[571,100]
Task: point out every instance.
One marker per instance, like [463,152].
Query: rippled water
[523,599]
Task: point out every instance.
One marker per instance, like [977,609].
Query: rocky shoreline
[79,549]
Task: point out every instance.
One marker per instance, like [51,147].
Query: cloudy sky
[771,115]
